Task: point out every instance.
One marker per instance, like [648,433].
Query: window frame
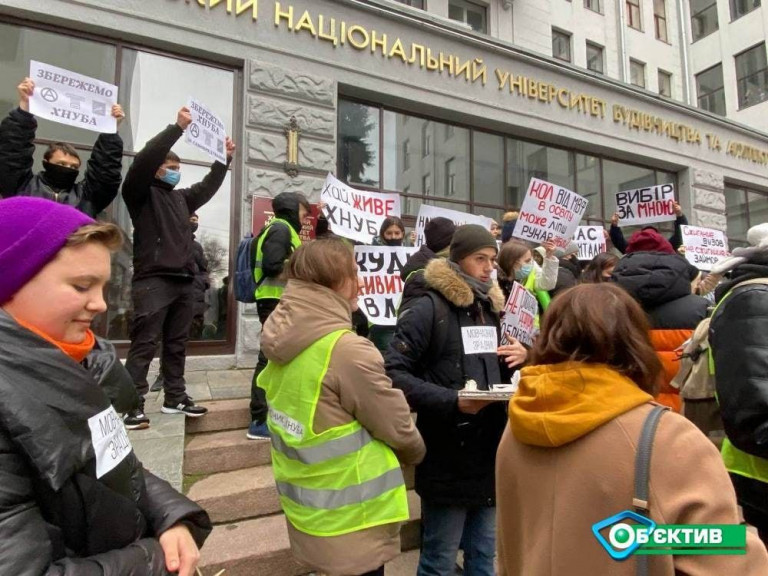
[745,191]
[658,19]
[732,10]
[409,3]
[634,6]
[668,75]
[700,96]
[643,66]
[710,7]
[741,100]
[557,33]
[466,6]
[588,4]
[601,51]
[195,347]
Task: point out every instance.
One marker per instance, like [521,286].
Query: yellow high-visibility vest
[339,481]
[271,287]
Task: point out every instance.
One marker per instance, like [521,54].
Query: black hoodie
[415,285]
[277,246]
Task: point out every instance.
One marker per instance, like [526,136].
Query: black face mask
[392,241]
[59,177]
[194,226]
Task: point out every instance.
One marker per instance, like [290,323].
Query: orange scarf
[77,352]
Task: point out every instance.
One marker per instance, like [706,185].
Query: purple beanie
[32,231]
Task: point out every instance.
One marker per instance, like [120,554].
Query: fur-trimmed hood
[440,276]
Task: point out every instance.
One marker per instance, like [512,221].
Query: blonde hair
[104,233]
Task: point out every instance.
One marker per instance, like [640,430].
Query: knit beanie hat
[438,233]
[649,240]
[470,238]
[507,230]
[32,232]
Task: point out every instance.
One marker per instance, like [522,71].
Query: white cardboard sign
[548,212]
[379,270]
[72,99]
[427,213]
[356,214]
[646,205]
[479,339]
[591,241]
[110,440]
[704,247]
[207,131]
[519,314]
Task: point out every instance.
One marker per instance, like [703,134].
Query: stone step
[246,493]
[222,415]
[261,546]
[224,451]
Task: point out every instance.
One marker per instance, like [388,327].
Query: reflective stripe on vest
[739,462]
[336,482]
[271,287]
[541,295]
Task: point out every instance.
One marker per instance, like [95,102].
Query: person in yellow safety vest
[738,338]
[340,431]
[516,262]
[274,246]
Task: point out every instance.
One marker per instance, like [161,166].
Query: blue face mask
[171,177]
[524,272]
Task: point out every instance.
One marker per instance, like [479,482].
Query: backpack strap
[643,472]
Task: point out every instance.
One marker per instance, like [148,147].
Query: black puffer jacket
[413,276]
[739,340]
[568,275]
[66,506]
[277,247]
[461,449]
[162,238]
[91,195]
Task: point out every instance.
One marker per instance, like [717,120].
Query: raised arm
[104,172]
[17,135]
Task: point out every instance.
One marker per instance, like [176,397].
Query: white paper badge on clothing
[207,131]
[480,339]
[73,99]
[110,440]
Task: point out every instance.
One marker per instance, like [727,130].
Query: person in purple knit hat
[74,498]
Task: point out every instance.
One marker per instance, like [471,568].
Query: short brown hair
[510,253]
[328,262]
[104,233]
[599,324]
[67,149]
[172,157]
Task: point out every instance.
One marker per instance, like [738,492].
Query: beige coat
[355,387]
[567,461]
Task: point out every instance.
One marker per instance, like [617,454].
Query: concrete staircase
[231,477]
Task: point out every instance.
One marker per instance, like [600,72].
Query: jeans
[444,528]
[259,410]
[162,312]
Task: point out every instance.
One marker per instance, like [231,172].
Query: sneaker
[136,420]
[157,385]
[258,431]
[186,407]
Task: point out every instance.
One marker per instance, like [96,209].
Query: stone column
[273,95]
[708,200]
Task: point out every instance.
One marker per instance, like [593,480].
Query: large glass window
[703,18]
[358,143]
[488,168]
[634,15]
[526,160]
[472,14]
[618,176]
[595,58]
[741,7]
[744,208]
[589,184]
[709,86]
[660,19]
[561,45]
[752,76]
[637,73]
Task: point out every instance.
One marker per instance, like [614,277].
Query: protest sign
[426,213]
[646,205]
[262,214]
[382,288]
[479,339]
[704,247]
[591,241]
[73,99]
[207,131]
[551,212]
[356,214]
[519,314]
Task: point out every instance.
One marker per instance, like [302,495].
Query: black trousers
[265,307]
[162,311]
[752,496]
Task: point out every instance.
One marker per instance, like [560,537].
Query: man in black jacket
[438,234]
[276,242]
[61,163]
[164,265]
[430,359]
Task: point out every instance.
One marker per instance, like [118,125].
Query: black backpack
[245,284]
